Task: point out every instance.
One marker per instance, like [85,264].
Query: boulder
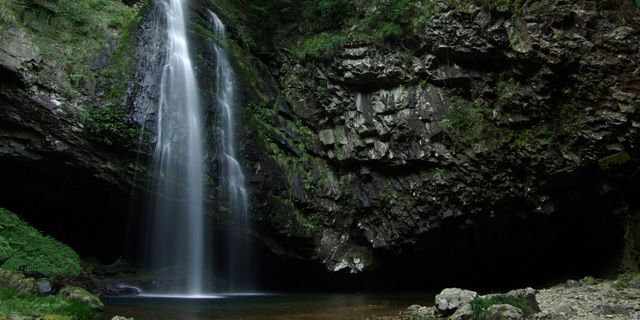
[23,285]
[75,293]
[115,288]
[504,312]
[45,286]
[414,307]
[450,299]
[572,284]
[528,294]
[463,313]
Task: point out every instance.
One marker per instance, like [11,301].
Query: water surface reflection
[306,306]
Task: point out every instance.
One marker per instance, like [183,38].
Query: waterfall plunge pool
[303,306]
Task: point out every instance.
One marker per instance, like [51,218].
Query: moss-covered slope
[22,246]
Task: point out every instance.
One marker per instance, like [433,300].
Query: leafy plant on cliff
[467,121]
[346,193]
[29,305]
[27,247]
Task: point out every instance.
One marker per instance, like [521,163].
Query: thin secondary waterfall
[235,199]
[177,212]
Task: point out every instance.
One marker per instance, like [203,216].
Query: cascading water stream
[239,264]
[177,211]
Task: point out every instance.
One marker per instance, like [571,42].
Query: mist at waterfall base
[188,251]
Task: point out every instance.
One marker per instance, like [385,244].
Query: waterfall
[239,266]
[176,235]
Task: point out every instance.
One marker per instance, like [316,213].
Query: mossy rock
[35,317]
[613,160]
[23,285]
[82,295]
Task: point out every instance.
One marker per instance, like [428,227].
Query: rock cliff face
[481,137]
[502,139]
[54,171]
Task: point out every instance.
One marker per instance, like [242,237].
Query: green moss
[613,160]
[49,307]
[28,247]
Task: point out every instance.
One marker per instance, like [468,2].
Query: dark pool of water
[266,306]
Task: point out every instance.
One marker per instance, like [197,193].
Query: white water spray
[177,213]
[239,265]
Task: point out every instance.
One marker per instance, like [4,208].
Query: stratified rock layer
[487,138]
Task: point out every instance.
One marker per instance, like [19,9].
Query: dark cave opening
[537,252]
[584,236]
[69,204]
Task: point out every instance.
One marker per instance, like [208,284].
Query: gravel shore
[603,300]
[586,299]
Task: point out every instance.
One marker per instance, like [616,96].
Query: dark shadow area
[517,247]
[67,203]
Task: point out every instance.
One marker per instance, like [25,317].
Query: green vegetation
[68,32]
[109,123]
[346,193]
[110,126]
[319,27]
[323,45]
[437,172]
[476,120]
[23,245]
[467,121]
[32,304]
[479,306]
